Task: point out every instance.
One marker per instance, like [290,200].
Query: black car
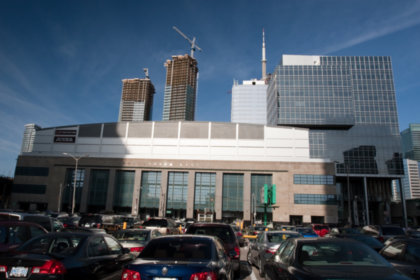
[404,255]
[66,255]
[328,258]
[181,257]
[226,234]
[371,241]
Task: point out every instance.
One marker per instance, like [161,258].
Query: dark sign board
[65,132]
[64,139]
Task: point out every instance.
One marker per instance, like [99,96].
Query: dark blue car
[181,257]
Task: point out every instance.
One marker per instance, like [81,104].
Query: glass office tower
[348,103]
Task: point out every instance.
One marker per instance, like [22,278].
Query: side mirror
[126,251]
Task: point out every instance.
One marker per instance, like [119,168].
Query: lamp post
[76,158]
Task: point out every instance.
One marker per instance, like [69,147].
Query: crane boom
[194,46]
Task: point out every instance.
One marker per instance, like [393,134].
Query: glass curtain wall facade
[176,198]
[98,189]
[257,187]
[232,200]
[349,105]
[123,191]
[150,191]
[67,191]
[204,192]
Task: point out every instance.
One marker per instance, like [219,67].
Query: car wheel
[261,268]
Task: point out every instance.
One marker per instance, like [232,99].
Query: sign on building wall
[65,136]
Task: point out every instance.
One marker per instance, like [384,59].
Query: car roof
[20,222]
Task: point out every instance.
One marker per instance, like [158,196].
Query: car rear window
[392,231]
[178,249]
[280,237]
[223,233]
[155,223]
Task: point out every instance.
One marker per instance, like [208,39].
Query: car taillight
[238,252]
[203,276]
[239,234]
[98,225]
[3,268]
[128,274]
[381,238]
[49,267]
[271,251]
[136,249]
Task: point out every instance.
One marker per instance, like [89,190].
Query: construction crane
[194,46]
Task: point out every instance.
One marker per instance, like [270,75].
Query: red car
[321,230]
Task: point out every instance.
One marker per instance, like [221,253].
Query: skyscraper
[411,142]
[348,103]
[180,88]
[136,100]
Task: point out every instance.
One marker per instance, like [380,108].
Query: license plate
[18,271]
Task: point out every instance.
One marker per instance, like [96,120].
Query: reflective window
[204,193]
[124,185]
[306,179]
[98,188]
[150,189]
[177,190]
[233,185]
[257,185]
[327,199]
[67,191]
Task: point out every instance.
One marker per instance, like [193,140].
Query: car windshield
[278,237]
[155,223]
[61,245]
[339,253]
[132,235]
[90,219]
[392,231]
[178,249]
[222,232]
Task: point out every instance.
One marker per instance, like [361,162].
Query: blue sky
[62,62]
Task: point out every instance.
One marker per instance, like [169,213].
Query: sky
[62,62]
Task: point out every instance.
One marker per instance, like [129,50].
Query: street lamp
[76,158]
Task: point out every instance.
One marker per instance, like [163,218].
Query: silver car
[135,239]
[265,245]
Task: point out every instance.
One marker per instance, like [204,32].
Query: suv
[14,233]
[226,234]
[164,225]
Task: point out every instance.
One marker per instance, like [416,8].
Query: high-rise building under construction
[180,88]
[136,100]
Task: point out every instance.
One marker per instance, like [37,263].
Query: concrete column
[136,193]
[85,191]
[404,207]
[366,201]
[110,191]
[163,193]
[190,195]
[218,204]
[247,197]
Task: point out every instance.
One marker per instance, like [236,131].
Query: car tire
[261,268]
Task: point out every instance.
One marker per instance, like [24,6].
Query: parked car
[344,230]
[239,235]
[383,232]
[404,255]
[135,239]
[164,225]
[91,221]
[70,221]
[370,241]
[181,257]
[226,234]
[66,255]
[321,230]
[15,233]
[46,222]
[306,231]
[265,245]
[328,258]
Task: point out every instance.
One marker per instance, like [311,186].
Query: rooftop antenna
[194,46]
[146,72]
[263,60]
